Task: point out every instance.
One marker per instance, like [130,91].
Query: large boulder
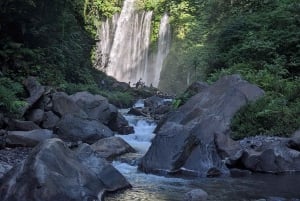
[97,107]
[63,105]
[270,154]
[54,172]
[185,139]
[27,138]
[72,129]
[111,147]
[105,172]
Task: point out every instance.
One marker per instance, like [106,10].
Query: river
[148,187]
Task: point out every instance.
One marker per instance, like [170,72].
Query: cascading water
[123,49]
[148,187]
[164,41]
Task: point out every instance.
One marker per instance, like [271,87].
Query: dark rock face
[186,138]
[18,125]
[63,105]
[111,147]
[97,107]
[71,128]
[36,116]
[53,172]
[112,179]
[35,91]
[27,138]
[270,154]
[120,125]
[50,120]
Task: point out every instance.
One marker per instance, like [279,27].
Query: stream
[148,187]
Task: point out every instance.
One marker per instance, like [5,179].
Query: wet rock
[72,128]
[27,138]
[50,120]
[270,154]
[54,172]
[18,125]
[196,195]
[137,112]
[63,105]
[120,125]
[186,138]
[112,178]
[36,116]
[111,147]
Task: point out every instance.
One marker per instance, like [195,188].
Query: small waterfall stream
[123,47]
[148,187]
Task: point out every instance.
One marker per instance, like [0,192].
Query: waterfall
[164,41]
[123,48]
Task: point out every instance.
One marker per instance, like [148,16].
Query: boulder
[111,147]
[35,115]
[185,139]
[63,105]
[112,178]
[35,90]
[270,154]
[196,195]
[96,106]
[50,120]
[120,125]
[18,125]
[54,172]
[72,128]
[27,138]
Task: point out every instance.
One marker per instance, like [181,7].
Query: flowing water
[123,47]
[148,187]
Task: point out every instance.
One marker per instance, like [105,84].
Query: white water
[148,187]
[123,50]
[164,41]
[140,140]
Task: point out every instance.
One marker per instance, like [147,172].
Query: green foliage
[9,92]
[271,115]
[258,39]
